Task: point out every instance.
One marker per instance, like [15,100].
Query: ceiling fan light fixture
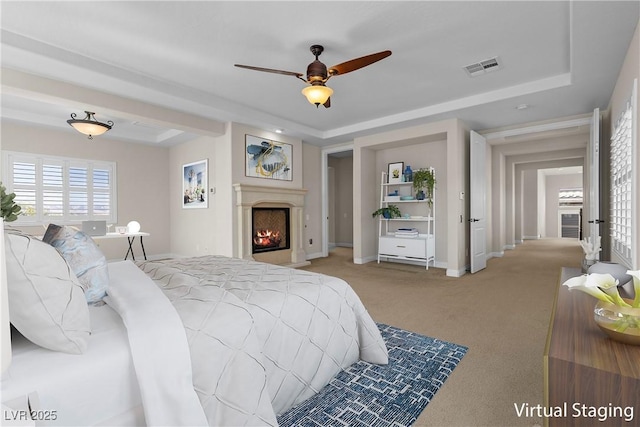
[89,125]
[317,94]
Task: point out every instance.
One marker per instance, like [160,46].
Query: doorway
[337,195]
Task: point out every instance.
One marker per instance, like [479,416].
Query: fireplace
[249,197]
[270,229]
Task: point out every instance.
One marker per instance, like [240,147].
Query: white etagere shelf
[414,248]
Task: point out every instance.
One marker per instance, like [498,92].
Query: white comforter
[263,338]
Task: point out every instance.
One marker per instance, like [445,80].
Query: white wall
[142,179]
[312,160]
[422,155]
[507,163]
[341,219]
[196,232]
[455,174]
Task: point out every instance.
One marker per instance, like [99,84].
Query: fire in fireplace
[270,229]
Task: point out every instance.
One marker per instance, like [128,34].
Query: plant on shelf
[388,212]
[424,179]
[10,209]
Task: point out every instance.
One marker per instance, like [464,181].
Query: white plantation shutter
[623,168]
[60,190]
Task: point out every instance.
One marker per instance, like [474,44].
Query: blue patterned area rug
[368,395]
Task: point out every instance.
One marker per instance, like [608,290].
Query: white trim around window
[60,189]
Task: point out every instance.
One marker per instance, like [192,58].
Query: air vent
[482,67]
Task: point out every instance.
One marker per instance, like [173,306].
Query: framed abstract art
[268,159]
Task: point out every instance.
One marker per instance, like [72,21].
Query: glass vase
[619,323]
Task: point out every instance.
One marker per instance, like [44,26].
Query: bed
[193,341]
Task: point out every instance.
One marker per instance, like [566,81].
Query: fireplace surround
[249,197]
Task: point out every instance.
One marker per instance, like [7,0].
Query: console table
[582,366]
[131,237]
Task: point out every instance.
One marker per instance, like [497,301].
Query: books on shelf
[407,232]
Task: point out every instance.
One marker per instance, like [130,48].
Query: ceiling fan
[317,74]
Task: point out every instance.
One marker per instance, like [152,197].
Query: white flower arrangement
[605,287]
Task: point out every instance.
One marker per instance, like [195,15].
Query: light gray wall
[341,219]
[312,181]
[422,155]
[530,204]
[142,177]
[455,168]
[197,232]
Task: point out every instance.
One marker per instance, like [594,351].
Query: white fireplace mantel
[248,196]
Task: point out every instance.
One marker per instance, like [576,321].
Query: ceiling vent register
[482,67]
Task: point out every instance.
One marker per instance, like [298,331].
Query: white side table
[131,237]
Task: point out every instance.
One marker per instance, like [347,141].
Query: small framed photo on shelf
[394,174]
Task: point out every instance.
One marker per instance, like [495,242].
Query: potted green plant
[424,179]
[10,209]
[388,212]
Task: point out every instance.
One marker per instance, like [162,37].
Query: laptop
[94,228]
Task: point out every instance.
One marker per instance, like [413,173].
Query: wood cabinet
[595,380]
[418,215]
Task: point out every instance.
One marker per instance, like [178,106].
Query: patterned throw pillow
[83,256]
[46,301]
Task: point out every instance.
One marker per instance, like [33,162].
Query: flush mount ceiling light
[89,125]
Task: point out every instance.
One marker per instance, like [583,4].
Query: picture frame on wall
[394,173]
[268,159]
[195,184]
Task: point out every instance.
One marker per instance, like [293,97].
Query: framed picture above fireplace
[194,185]
[268,159]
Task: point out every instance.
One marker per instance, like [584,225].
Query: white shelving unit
[421,248]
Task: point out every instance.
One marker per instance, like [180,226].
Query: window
[58,189]
[622,183]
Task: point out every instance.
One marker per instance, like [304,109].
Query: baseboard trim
[315,255]
[455,273]
[365,260]
[344,245]
[531,237]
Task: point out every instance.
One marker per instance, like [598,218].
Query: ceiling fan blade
[270,70]
[358,63]
[328,103]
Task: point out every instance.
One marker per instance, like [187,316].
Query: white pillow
[46,300]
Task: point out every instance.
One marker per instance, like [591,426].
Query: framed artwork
[394,174]
[268,159]
[194,185]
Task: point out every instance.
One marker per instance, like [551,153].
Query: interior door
[594,179]
[478,202]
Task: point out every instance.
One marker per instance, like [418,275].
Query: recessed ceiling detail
[482,67]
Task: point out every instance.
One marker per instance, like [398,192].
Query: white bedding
[308,327]
[158,347]
[83,390]
[261,339]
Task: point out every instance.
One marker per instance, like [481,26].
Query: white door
[477,200]
[594,179]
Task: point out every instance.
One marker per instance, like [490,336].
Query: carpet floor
[501,314]
[369,395]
